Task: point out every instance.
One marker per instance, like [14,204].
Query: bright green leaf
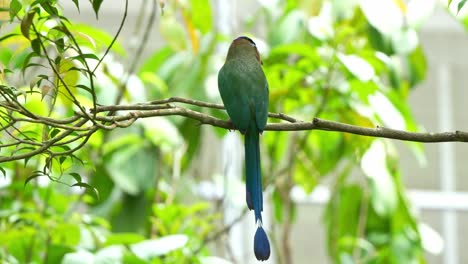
[15,7]
[123,239]
[201,15]
[56,252]
[5,56]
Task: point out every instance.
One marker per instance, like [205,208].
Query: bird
[244,91]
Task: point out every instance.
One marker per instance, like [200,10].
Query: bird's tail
[253,175]
[254,195]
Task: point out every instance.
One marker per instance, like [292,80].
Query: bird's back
[244,90]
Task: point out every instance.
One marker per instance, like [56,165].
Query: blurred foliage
[131,195]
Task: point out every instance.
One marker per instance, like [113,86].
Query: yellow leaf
[66,84]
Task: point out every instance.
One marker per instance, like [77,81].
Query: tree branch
[98,119]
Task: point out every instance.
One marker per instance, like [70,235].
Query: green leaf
[132,214]
[133,168]
[5,56]
[277,205]
[123,239]
[342,215]
[417,66]
[76,176]
[201,15]
[32,177]
[100,37]
[52,10]
[131,258]
[359,67]
[379,41]
[191,132]
[281,52]
[26,23]
[155,61]
[60,44]
[36,46]
[70,78]
[56,252]
[105,185]
[15,7]
[3,172]
[84,87]
[460,5]
[77,4]
[27,64]
[54,132]
[84,56]
[88,187]
[96,6]
[288,30]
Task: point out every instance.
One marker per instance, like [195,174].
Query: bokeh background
[330,198]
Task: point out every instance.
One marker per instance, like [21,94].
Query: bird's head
[243,46]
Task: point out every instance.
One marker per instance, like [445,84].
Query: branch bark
[98,118]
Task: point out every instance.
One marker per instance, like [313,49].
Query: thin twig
[168,107]
[122,22]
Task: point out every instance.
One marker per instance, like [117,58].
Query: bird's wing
[261,105]
[233,89]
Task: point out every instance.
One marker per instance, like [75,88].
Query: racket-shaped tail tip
[261,244]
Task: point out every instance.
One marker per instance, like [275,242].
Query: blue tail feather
[253,178]
[254,195]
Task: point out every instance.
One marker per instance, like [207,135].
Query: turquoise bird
[244,91]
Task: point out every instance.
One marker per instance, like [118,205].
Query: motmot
[244,90]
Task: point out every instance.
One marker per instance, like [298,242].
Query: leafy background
[129,195]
